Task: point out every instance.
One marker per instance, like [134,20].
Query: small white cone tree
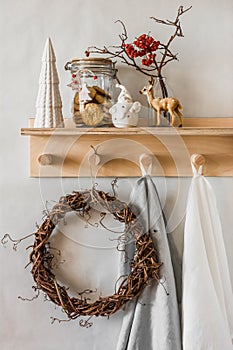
[48,103]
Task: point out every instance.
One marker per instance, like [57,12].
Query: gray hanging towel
[151,322]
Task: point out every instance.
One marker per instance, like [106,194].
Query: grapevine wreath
[144,267]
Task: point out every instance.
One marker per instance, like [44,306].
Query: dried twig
[167,55]
[7,237]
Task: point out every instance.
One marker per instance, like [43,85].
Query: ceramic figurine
[125,111]
[48,103]
[167,104]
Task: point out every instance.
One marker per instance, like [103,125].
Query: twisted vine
[144,268]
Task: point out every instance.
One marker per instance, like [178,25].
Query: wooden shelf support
[67,152]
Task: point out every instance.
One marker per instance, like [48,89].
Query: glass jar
[93,82]
[161,90]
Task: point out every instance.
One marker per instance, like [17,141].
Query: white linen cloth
[207,302]
[151,322]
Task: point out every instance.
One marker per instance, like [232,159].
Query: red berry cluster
[147,43]
[144,45]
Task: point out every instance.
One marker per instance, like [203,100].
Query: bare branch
[177,33]
[6,238]
[124,35]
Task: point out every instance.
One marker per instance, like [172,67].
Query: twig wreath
[144,268]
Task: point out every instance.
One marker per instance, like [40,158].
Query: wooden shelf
[185,131]
[66,151]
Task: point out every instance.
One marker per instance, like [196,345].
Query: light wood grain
[119,150]
[132,131]
[188,122]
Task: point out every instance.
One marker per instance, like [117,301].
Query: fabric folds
[207,303]
[152,321]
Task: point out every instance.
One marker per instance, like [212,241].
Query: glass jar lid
[96,65]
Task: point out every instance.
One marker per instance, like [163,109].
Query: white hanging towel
[207,303]
[152,321]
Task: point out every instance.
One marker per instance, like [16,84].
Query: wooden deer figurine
[167,104]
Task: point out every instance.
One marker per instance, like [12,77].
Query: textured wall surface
[202,79]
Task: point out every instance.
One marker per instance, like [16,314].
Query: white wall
[202,79]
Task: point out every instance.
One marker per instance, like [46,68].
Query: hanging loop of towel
[145,162]
[197,163]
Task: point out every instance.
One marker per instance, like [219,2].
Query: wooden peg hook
[146,159]
[94,158]
[45,159]
[197,160]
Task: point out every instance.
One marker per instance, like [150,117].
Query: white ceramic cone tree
[48,103]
